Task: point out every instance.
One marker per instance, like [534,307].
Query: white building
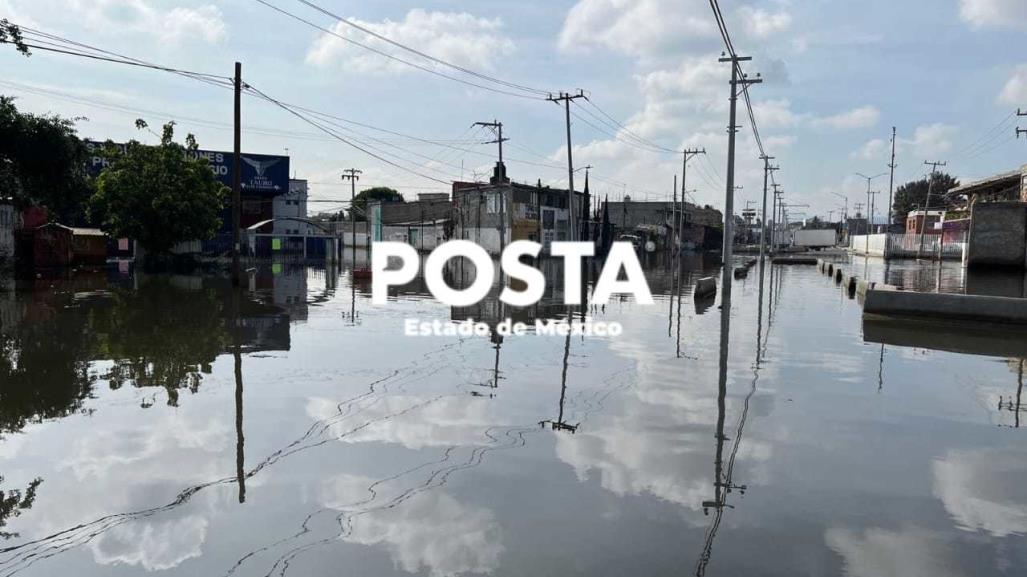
[291,205]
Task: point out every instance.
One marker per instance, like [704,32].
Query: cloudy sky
[838,75]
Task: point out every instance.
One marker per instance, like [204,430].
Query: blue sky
[838,75]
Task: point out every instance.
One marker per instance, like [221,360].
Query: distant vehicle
[636,241]
[815,239]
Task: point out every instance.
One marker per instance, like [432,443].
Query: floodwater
[168,425]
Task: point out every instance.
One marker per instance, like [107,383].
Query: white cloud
[760,23]
[1006,13]
[635,27]
[459,38]
[1015,90]
[174,26]
[862,117]
[929,140]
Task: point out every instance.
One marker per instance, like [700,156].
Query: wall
[998,235]
[875,246]
[7,215]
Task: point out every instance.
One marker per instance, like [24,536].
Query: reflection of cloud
[429,531]
[154,546]
[447,421]
[876,552]
[130,467]
[984,490]
[658,438]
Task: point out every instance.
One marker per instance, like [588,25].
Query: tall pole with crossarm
[737,84]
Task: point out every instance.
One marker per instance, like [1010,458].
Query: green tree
[43,162]
[159,195]
[11,34]
[377,193]
[913,195]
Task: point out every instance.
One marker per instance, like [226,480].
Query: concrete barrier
[794,260]
[705,287]
[741,272]
[830,269]
[951,307]
[838,276]
[850,286]
[997,235]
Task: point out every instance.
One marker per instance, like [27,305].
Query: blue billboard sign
[261,175]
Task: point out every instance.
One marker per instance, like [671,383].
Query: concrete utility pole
[353,175]
[775,206]
[497,128]
[729,194]
[685,155]
[891,179]
[237,177]
[767,169]
[1019,130]
[927,204]
[567,98]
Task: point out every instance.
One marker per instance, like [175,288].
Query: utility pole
[729,193]
[237,178]
[353,175]
[567,98]
[891,180]
[775,206]
[767,169]
[1019,130]
[497,128]
[927,205]
[685,155]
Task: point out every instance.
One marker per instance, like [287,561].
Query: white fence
[909,245]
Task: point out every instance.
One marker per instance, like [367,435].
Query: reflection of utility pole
[240,441]
[559,424]
[1009,404]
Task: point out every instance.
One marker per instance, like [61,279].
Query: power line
[345,140]
[537,91]
[394,57]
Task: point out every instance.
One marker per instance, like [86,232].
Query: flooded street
[167,424]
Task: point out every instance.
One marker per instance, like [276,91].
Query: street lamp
[869,206]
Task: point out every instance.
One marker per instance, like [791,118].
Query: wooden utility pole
[567,98]
[729,193]
[767,169]
[353,175]
[927,204]
[237,178]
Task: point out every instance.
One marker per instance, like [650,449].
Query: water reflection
[353,448]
